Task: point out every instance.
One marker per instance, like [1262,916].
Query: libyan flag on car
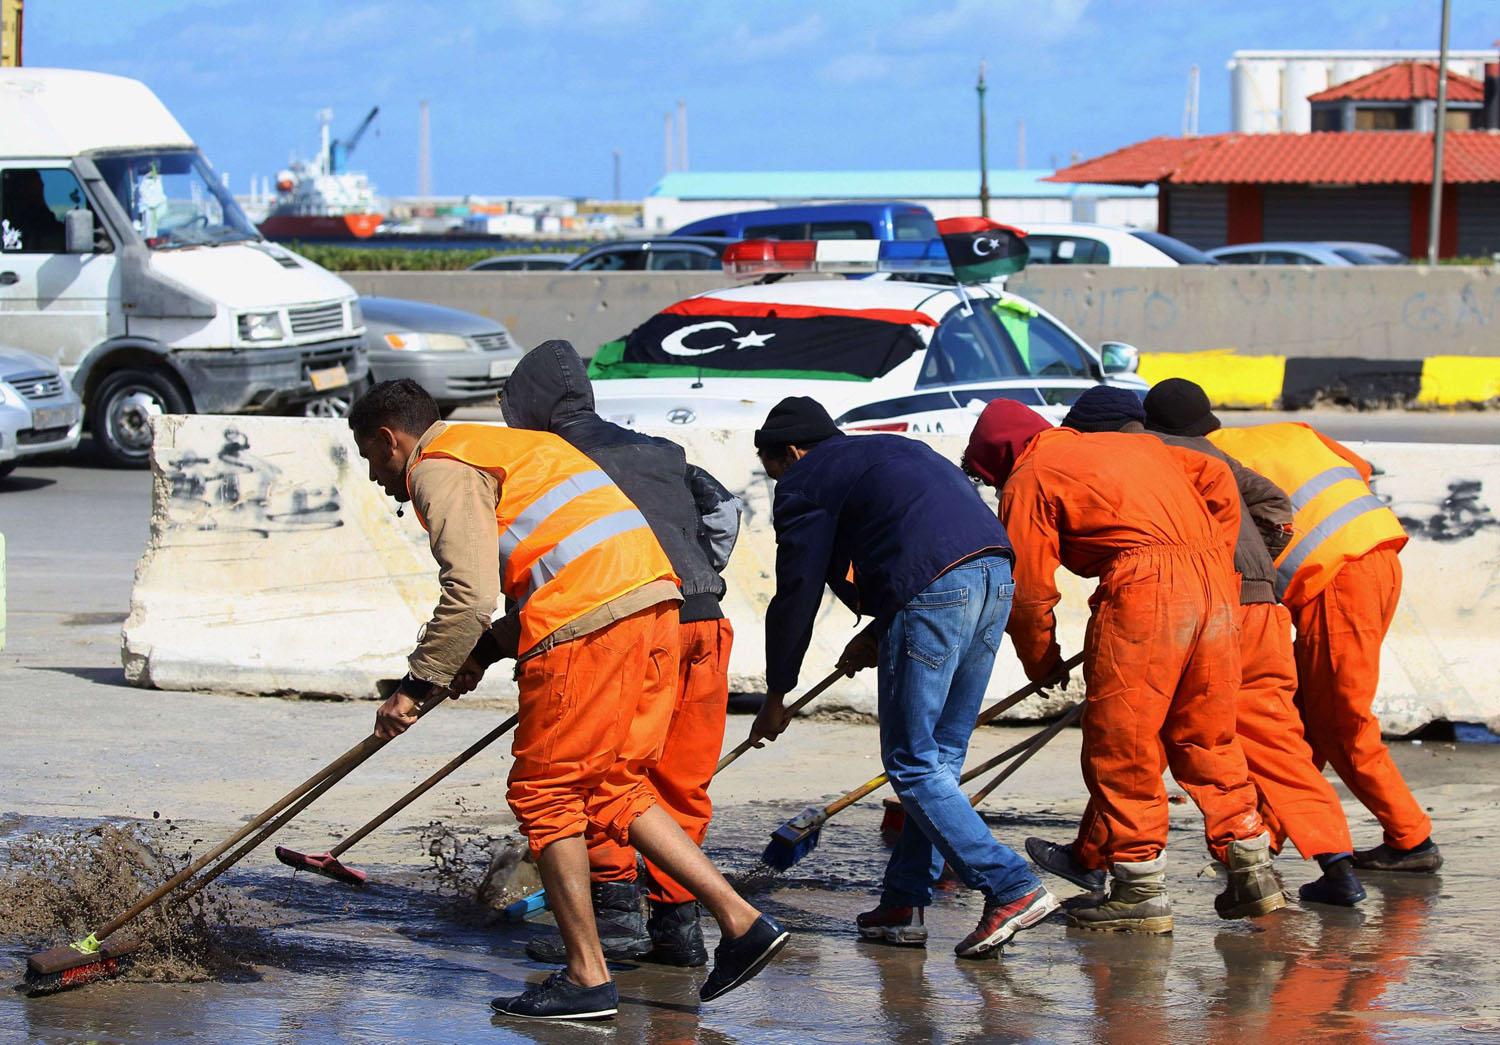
[718,337]
[981,249]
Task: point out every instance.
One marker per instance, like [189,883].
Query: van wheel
[120,413]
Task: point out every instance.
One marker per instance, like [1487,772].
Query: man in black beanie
[1105,408]
[900,534]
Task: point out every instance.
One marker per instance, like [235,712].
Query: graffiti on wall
[1460,513]
[240,492]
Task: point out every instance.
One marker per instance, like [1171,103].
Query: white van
[124,259]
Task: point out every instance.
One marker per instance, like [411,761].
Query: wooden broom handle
[1033,746]
[798,705]
[340,767]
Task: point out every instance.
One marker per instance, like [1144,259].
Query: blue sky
[531,96]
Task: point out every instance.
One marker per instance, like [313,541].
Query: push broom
[799,836]
[99,955]
[537,901]
[330,866]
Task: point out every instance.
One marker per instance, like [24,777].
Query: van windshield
[174,199]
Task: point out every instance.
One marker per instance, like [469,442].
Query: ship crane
[342,149]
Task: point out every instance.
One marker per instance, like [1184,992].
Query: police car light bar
[761,257]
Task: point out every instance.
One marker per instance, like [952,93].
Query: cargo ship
[319,200]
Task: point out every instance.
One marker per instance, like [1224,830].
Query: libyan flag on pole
[981,249]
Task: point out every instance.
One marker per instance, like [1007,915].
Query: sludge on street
[888,598]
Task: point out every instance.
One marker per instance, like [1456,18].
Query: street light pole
[984,164]
[1435,207]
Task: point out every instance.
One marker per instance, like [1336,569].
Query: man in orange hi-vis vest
[1340,578]
[593,625]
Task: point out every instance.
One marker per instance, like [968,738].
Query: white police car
[904,348]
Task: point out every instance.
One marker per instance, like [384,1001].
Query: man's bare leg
[663,842]
[564,866]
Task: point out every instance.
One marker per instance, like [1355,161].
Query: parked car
[1079,243]
[653,254]
[1291,252]
[39,411]
[459,357]
[892,352]
[884,221]
[523,263]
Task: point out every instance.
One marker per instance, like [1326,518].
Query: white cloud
[747,43]
[856,67]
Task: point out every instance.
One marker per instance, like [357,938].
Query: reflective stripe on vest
[575,544]
[1315,537]
[539,510]
[1322,481]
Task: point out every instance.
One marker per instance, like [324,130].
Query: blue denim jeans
[935,662]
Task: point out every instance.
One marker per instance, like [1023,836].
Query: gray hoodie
[695,519]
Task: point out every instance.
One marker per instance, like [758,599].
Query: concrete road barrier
[275,566]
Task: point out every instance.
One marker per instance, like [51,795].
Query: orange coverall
[1157,525]
[688,758]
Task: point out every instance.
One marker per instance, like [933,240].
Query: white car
[39,414]
[1079,243]
[887,352]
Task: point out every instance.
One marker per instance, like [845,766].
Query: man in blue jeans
[900,535]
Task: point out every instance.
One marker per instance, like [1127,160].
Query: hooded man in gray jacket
[696,520]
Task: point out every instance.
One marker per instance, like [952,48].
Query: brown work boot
[1253,889]
[1137,902]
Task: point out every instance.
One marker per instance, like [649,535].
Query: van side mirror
[78,231]
[1117,357]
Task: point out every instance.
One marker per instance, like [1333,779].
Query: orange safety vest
[570,540]
[1337,517]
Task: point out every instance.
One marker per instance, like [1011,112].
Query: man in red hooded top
[1157,525]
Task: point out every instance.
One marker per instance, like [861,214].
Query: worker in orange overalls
[1157,525]
[697,521]
[1340,578]
[1294,797]
[594,628]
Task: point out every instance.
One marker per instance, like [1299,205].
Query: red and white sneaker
[1000,922]
[902,926]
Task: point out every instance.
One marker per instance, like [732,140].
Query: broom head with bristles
[325,864]
[65,967]
[794,839]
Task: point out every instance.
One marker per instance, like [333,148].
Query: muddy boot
[676,937]
[1339,886]
[901,926]
[1420,859]
[1137,902]
[618,918]
[1253,889]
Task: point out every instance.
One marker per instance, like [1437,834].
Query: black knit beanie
[1105,408]
[1178,406]
[795,421]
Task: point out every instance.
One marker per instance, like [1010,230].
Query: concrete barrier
[275,566]
[1254,337]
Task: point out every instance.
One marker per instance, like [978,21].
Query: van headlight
[356,315]
[261,326]
[411,341]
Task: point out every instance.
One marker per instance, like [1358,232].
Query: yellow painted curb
[1251,382]
[1459,380]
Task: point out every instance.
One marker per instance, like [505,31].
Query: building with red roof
[1367,178]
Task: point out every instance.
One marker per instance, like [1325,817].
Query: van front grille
[317,319]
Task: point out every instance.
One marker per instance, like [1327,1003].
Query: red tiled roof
[1402,82]
[1328,158]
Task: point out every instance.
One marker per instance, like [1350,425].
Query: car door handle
[8,278]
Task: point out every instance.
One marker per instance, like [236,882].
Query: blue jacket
[889,509]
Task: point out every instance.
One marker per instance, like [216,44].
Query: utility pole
[424,150]
[617,173]
[1021,143]
[1435,210]
[984,164]
[12,19]
[667,143]
[682,160]
[1190,108]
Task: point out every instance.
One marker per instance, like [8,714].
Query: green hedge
[393,259]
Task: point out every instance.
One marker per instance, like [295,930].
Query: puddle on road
[401,960]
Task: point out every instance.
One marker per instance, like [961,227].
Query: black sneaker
[617,919]
[559,998]
[1058,859]
[737,961]
[676,937]
[1421,859]
[1339,886]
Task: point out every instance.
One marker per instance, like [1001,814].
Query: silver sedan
[39,412]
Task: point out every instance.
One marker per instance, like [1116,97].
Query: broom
[99,956]
[799,836]
[330,866]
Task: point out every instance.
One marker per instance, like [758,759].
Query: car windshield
[174,199]
[1175,249]
[998,340]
